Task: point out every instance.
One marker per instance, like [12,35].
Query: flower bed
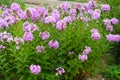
[56,44]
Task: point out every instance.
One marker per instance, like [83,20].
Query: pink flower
[105,7]
[95,15]
[28,36]
[53,44]
[114,21]
[35,69]
[44,35]
[68,19]
[83,57]
[6,36]
[3,23]
[56,15]
[95,34]
[60,71]
[50,19]
[61,25]
[113,38]
[65,7]
[15,6]
[2,47]
[17,47]
[87,50]
[18,40]
[109,27]
[107,22]
[30,27]
[40,49]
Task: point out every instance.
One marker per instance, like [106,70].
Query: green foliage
[111,72]
[9,2]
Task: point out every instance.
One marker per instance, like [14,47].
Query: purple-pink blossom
[56,14]
[65,7]
[53,44]
[95,15]
[60,71]
[2,47]
[40,49]
[50,19]
[113,38]
[105,7]
[30,27]
[83,57]
[109,27]
[87,50]
[61,25]
[6,36]
[114,21]
[15,6]
[3,23]
[18,40]
[35,69]
[95,34]
[28,36]
[44,35]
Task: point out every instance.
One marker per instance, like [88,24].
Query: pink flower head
[95,15]
[2,47]
[60,71]
[83,57]
[113,38]
[114,21]
[87,50]
[61,25]
[22,15]
[28,36]
[53,44]
[15,7]
[35,69]
[91,4]
[95,34]
[18,40]
[44,35]
[109,27]
[32,13]
[3,23]
[50,19]
[78,6]
[107,22]
[40,49]
[73,13]
[105,7]
[10,20]
[68,19]
[56,15]
[65,7]
[30,27]
[5,36]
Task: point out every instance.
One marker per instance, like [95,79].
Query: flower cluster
[18,41]
[40,49]
[2,47]
[108,23]
[95,34]
[113,38]
[85,53]
[65,7]
[35,69]
[60,71]
[61,25]
[53,44]
[44,35]
[29,27]
[105,7]
[5,36]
